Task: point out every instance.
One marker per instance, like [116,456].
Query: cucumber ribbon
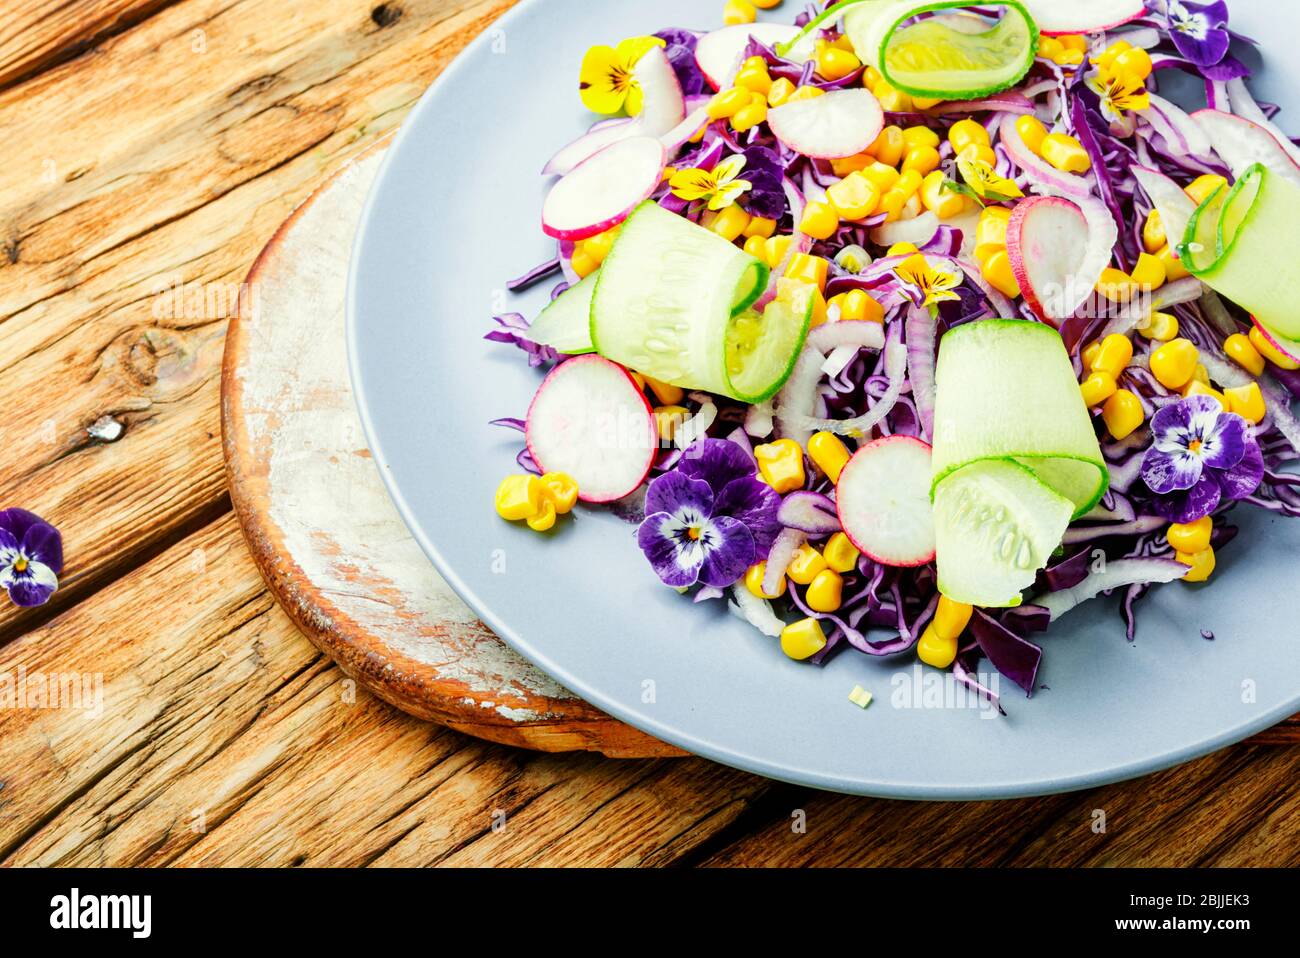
[1239,243]
[933,49]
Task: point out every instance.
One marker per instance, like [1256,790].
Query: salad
[911,326]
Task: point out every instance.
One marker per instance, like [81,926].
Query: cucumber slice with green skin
[948,57]
[672,300]
[1238,243]
[565,324]
[995,525]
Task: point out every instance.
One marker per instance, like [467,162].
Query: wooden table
[149,142]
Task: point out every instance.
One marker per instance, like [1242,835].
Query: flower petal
[727,170]
[675,559]
[728,551]
[1223,445]
[43,544]
[33,586]
[1199,36]
[755,504]
[596,81]
[1244,477]
[18,521]
[687,500]
[634,48]
[717,462]
[1170,472]
[1196,503]
[1170,419]
[692,184]
[726,195]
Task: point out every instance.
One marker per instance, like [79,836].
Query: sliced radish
[1242,143]
[718,53]
[809,512]
[833,126]
[663,108]
[1047,244]
[1287,347]
[1243,104]
[884,501]
[590,421]
[604,189]
[1057,17]
[1171,201]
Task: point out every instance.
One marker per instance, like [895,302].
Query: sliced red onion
[1118,574]
[1279,410]
[1186,290]
[1227,374]
[918,231]
[1036,89]
[1078,535]
[741,439]
[757,612]
[1213,309]
[1039,171]
[859,333]
[698,425]
[758,420]
[896,373]
[1182,135]
[1122,513]
[922,336]
[680,135]
[802,244]
[779,558]
[809,512]
[1010,101]
[1003,306]
[798,397]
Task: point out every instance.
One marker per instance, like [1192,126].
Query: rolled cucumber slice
[954,55]
[565,324]
[672,300]
[1239,243]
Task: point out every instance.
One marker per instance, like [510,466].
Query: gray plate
[452,215]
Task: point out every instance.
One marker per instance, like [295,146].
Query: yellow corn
[727,103]
[1074,41]
[544,519]
[1113,357]
[854,197]
[1133,64]
[891,204]
[1049,47]
[750,116]
[935,650]
[851,164]
[730,222]
[925,103]
[916,137]
[598,246]
[840,553]
[834,63]
[1107,58]
[1149,273]
[1161,327]
[1247,402]
[738,11]
[766,4]
[561,489]
[909,183]
[1174,363]
[1097,388]
[922,159]
[803,639]
[997,270]
[829,454]
[1243,352]
[871,78]
[756,246]
[1090,354]
[1198,388]
[1032,131]
[1117,285]
[1202,564]
[583,263]
[753,76]
[902,249]
[669,419]
[781,464]
[1122,414]
[1174,268]
[892,100]
[826,592]
[806,565]
[883,176]
[944,203]
[951,618]
[754,582]
[1065,153]
[780,92]
[806,93]
[1270,352]
[889,146]
[519,497]
[1191,537]
[1154,237]
[966,133]
[858,305]
[777,248]
[820,221]
[1203,187]
[809,269]
[991,232]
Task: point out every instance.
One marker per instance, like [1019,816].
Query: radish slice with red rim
[1046,244]
[604,189]
[590,421]
[1242,143]
[883,496]
[719,53]
[833,126]
[1058,17]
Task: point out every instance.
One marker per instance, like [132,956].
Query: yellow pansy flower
[984,180]
[1119,93]
[935,286]
[720,185]
[607,82]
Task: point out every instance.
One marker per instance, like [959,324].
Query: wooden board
[322,527]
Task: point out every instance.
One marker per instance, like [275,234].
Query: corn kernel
[754,582]
[738,11]
[561,489]
[991,232]
[835,64]
[923,103]
[1154,238]
[781,464]
[1074,41]
[871,78]
[756,246]
[966,133]
[1049,47]
[1270,352]
[1174,363]
[829,454]
[853,259]
[803,639]
[1122,414]
[750,116]
[943,203]
[935,650]
[1198,388]
[777,248]
[1247,402]
[727,103]
[583,263]
[980,153]
[1174,268]
[843,41]
[997,270]
[809,269]
[893,100]
[753,76]
[1162,327]
[909,183]
[669,419]
[806,93]
[916,137]
[1203,187]
[851,164]
[1149,273]
[951,618]
[840,553]
[1097,388]
[884,177]
[891,204]
[826,592]
[902,249]
[730,222]
[854,197]
[806,565]
[1108,57]
[860,306]
[1114,356]
[1117,285]
[1032,131]
[1090,354]
[780,92]
[1134,64]
[1202,564]
[1191,537]
[1243,352]
[544,519]
[1065,153]
[519,497]
[820,221]
[889,146]
[922,159]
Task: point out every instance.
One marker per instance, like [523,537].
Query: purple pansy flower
[31,557]
[709,519]
[1200,30]
[1199,457]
